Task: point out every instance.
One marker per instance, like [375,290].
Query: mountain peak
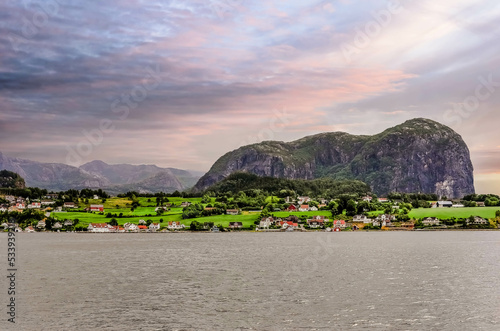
[419,155]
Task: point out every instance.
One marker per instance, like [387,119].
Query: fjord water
[257,281]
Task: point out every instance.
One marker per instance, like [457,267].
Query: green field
[447,213]
[175,214]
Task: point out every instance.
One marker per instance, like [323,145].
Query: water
[257,281]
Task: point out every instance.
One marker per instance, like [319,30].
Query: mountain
[419,155]
[10,179]
[98,174]
[52,176]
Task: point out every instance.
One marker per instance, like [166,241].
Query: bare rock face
[419,155]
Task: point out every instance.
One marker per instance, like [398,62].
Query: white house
[313,208]
[98,227]
[29,229]
[232,212]
[57,226]
[154,227]
[175,225]
[266,222]
[339,224]
[304,208]
[431,221]
[130,227]
[362,218]
[41,224]
[34,205]
[478,221]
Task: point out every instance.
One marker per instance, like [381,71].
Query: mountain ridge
[419,155]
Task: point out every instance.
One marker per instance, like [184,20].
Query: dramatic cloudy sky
[179,83]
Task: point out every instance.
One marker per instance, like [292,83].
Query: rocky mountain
[98,174]
[52,176]
[419,155]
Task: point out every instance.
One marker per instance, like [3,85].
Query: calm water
[257,281]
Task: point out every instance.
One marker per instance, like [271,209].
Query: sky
[180,83]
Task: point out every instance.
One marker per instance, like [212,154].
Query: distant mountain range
[114,179]
[419,155]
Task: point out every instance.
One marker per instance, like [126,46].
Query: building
[47,202]
[29,229]
[57,226]
[430,221]
[383,200]
[69,205]
[175,225]
[131,227]
[41,224]
[316,222]
[97,208]
[235,225]
[266,222]
[480,204]
[303,199]
[291,208]
[362,219]
[304,208]
[98,227]
[339,224]
[185,204]
[142,228]
[35,205]
[478,221]
[232,212]
[444,204]
[153,227]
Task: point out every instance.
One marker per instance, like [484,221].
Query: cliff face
[419,155]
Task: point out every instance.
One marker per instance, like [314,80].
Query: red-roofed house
[304,208]
[339,224]
[316,222]
[291,208]
[143,228]
[98,208]
[98,227]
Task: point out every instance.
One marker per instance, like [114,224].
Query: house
[304,208]
[478,221]
[96,197]
[386,218]
[303,199]
[20,205]
[185,204]
[142,222]
[339,224]
[34,205]
[313,208]
[98,227]
[444,204]
[41,224]
[383,200]
[367,198]
[429,221]
[97,208]
[215,228]
[322,205]
[47,202]
[175,225]
[29,229]
[154,227]
[142,228]
[232,212]
[209,208]
[235,225]
[289,199]
[289,224]
[266,222]
[131,227]
[316,222]
[3,208]
[480,204]
[362,219]
[458,205]
[291,208]
[57,226]
[52,196]
[69,205]
[68,223]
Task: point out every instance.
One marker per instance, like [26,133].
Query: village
[287,214]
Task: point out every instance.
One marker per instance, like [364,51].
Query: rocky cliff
[419,155]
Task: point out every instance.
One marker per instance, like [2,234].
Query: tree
[113,222]
[351,208]
[497,214]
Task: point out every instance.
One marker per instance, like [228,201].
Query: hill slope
[419,155]
[10,179]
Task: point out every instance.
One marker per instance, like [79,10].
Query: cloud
[223,73]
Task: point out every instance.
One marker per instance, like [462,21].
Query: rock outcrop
[419,155]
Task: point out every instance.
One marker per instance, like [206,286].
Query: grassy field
[447,213]
[175,214]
